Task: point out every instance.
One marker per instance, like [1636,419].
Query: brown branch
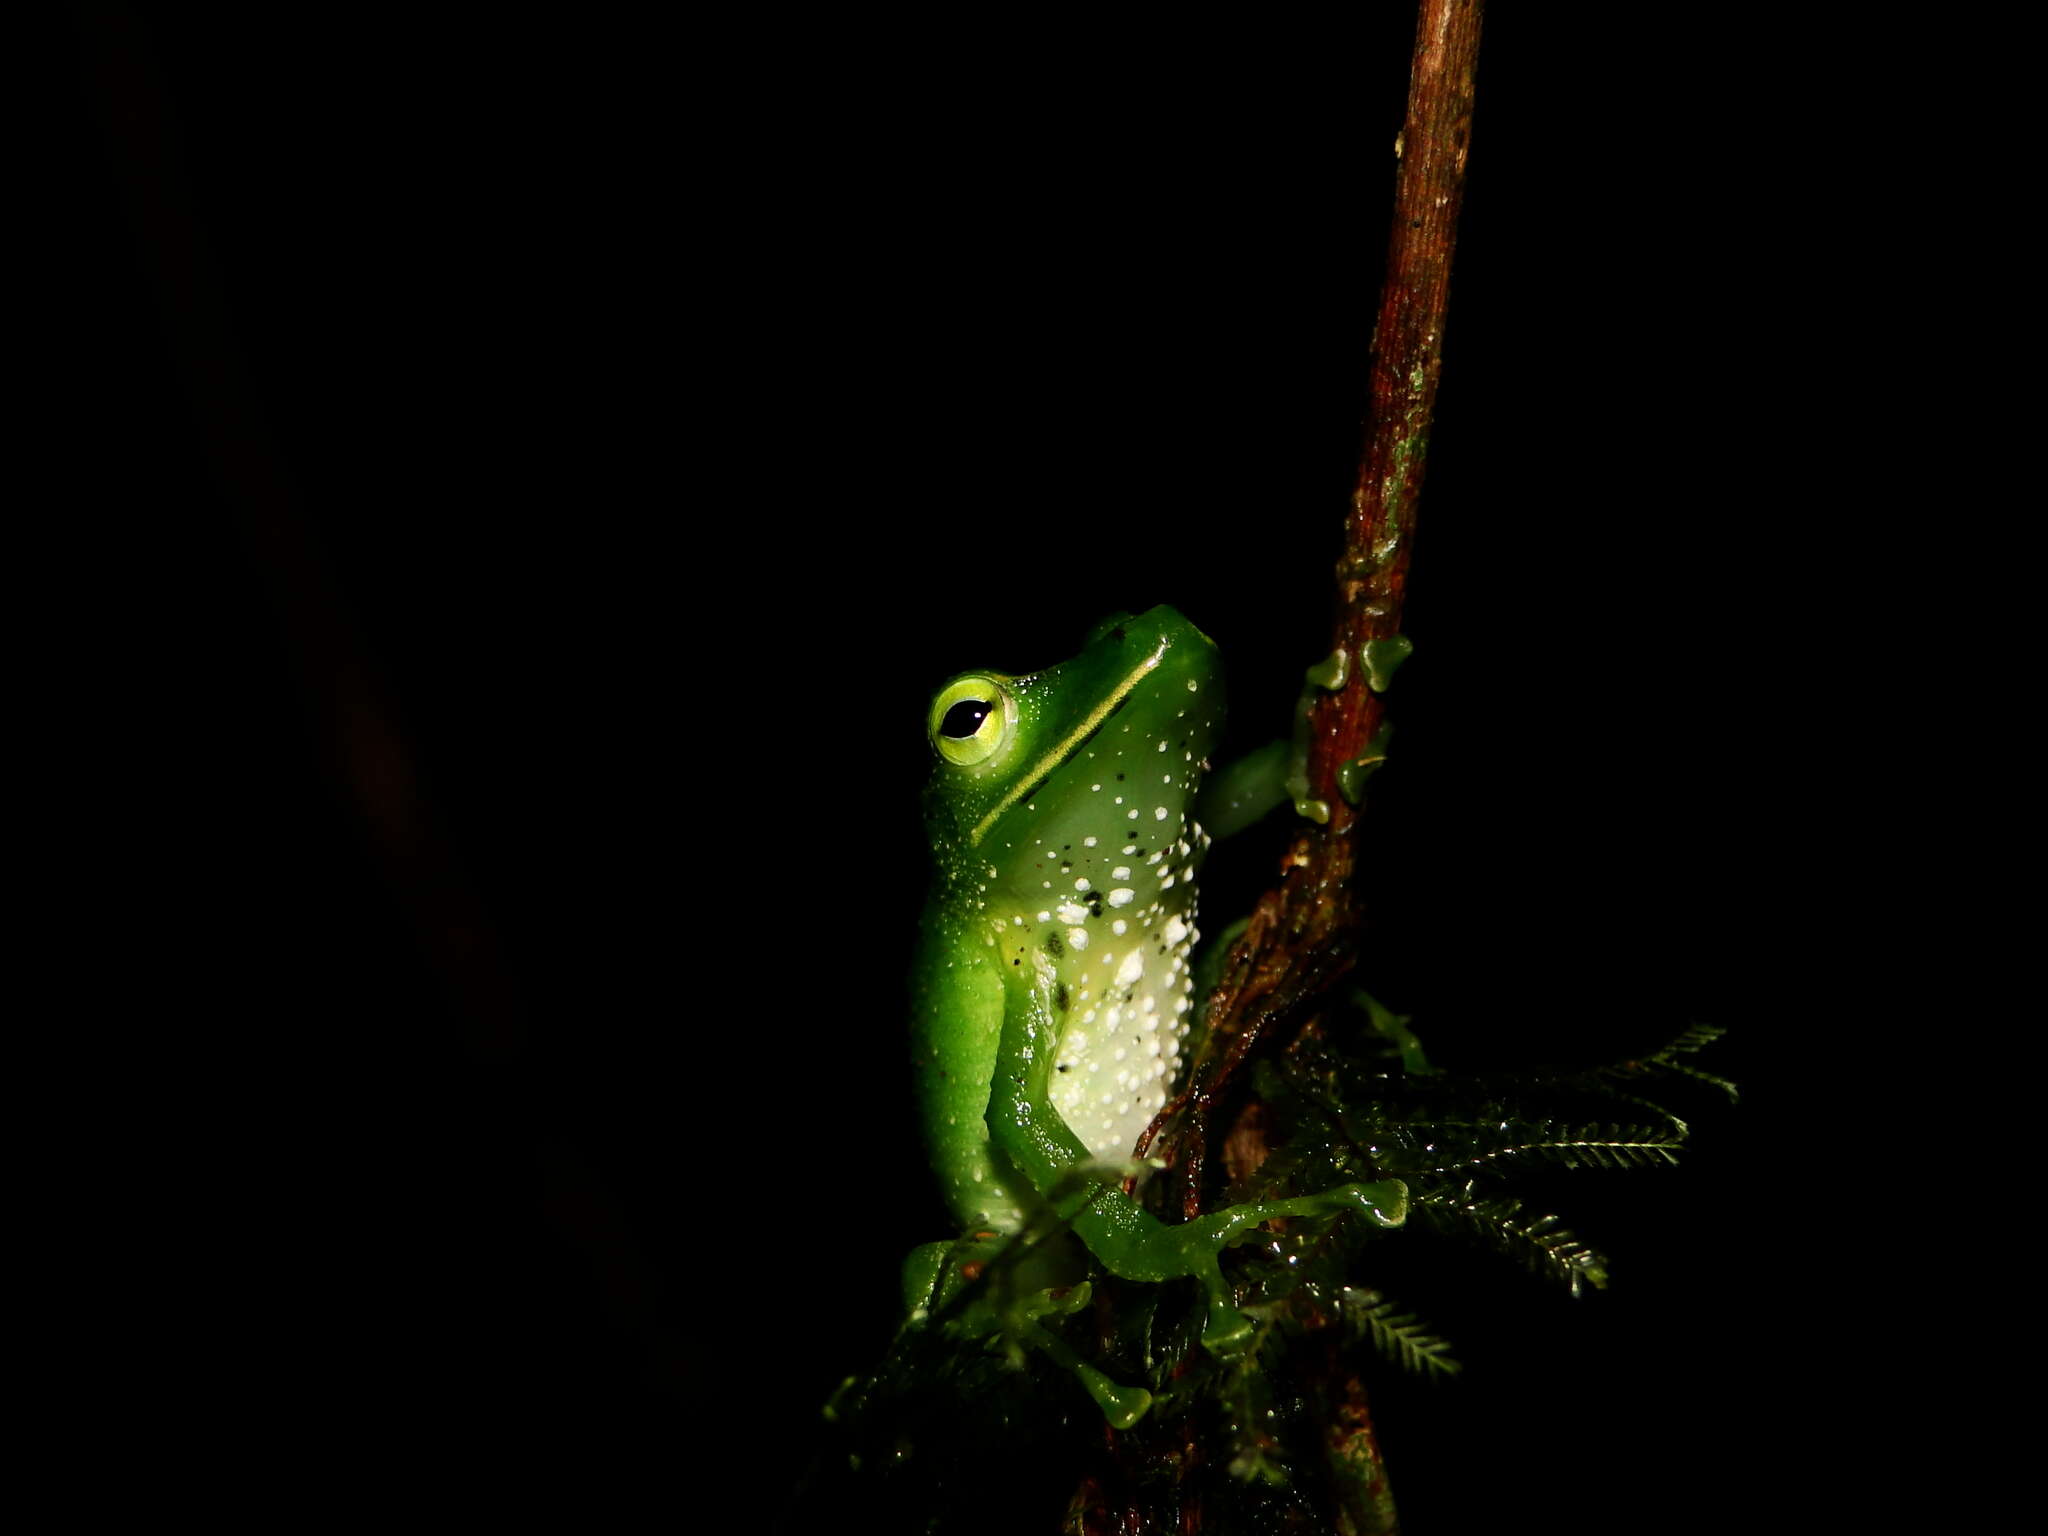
[1303,934]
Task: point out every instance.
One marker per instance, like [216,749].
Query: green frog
[1053,986]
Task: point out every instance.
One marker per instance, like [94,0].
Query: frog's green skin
[1052,983]
[1248,788]
[1064,905]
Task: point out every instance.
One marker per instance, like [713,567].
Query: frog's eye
[971,718]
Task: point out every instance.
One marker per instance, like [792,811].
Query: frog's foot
[1384,1204]
[1121,1406]
[1227,1331]
[935,1281]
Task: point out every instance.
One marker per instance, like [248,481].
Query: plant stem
[1302,934]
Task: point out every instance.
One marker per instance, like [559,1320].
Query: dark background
[642,420]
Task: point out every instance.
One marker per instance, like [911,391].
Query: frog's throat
[1067,746]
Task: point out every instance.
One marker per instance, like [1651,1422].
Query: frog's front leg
[1241,792]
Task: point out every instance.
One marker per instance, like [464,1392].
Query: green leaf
[1541,1242]
[1399,1336]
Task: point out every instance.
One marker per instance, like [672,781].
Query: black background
[665,410]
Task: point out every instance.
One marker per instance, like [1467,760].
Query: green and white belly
[1115,950]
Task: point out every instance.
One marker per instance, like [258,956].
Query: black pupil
[964,718]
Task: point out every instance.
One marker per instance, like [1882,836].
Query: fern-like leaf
[1603,1081]
[1589,1146]
[1612,1095]
[1399,1336]
[1694,1038]
[1440,1145]
[1541,1242]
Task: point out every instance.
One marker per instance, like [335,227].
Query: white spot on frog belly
[1113,1077]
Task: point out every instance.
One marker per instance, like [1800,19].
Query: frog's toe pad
[1385,1204]
[1228,1332]
[1121,1406]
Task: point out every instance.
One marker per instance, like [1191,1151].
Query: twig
[1302,934]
